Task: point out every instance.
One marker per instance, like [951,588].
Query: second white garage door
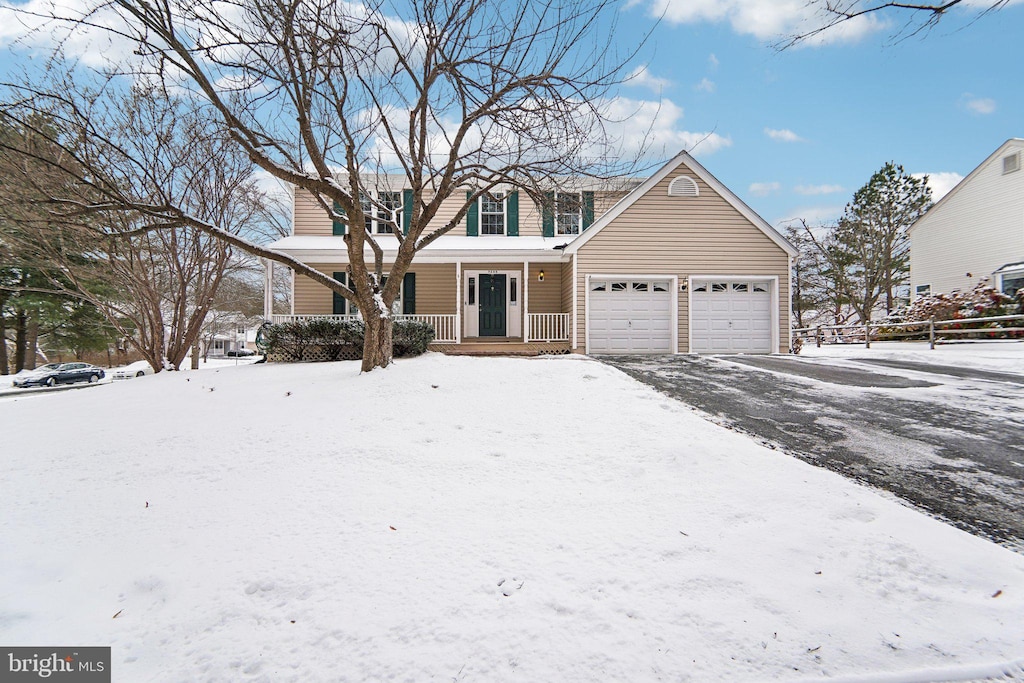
[731,316]
[630,316]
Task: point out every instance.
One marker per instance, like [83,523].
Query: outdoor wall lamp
[540,276]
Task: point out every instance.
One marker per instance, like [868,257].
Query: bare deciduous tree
[915,16]
[461,97]
[155,286]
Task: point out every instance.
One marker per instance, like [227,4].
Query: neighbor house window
[492,214]
[568,213]
[923,290]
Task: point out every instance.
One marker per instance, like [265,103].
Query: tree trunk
[20,322]
[4,367]
[377,344]
[32,344]
[195,355]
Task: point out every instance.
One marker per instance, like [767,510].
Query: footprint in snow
[510,586]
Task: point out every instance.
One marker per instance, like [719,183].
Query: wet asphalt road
[950,441]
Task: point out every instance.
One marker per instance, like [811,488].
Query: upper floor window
[384,215]
[568,213]
[492,214]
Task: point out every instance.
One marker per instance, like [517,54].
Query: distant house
[675,263]
[976,231]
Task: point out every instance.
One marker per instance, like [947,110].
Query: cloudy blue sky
[797,132]
[794,132]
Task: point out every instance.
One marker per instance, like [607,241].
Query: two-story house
[976,231]
[675,263]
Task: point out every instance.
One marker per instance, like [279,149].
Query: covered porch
[477,300]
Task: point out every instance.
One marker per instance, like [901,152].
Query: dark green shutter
[548,215]
[338,306]
[406,211]
[588,209]
[338,227]
[512,213]
[409,294]
[472,216]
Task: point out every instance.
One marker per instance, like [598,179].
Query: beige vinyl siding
[312,298]
[546,297]
[435,290]
[682,236]
[566,293]
[309,217]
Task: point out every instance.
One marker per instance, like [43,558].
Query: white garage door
[630,316]
[731,317]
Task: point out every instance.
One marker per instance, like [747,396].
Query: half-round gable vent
[683,186]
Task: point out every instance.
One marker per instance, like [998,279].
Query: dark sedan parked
[65,373]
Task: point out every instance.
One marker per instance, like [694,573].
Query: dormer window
[683,186]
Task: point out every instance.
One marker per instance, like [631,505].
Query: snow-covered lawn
[465,519]
[994,355]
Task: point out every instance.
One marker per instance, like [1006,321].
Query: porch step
[503,349]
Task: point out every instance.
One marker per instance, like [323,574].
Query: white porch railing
[444,325]
[548,327]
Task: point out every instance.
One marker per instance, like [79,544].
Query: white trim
[513,310]
[291,304]
[504,214]
[674,286]
[773,281]
[683,157]
[575,297]
[458,302]
[526,301]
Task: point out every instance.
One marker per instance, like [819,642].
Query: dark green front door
[492,305]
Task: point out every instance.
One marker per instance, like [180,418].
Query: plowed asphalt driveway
[948,440]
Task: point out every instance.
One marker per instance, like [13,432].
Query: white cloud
[783,135]
[817,189]
[764,189]
[766,19]
[658,125]
[643,77]
[814,215]
[705,85]
[978,105]
[96,41]
[713,61]
[941,183]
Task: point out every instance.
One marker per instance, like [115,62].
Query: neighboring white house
[976,231]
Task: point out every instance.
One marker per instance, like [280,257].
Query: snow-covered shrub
[983,301]
[410,337]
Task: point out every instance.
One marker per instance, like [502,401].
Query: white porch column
[268,289]
[458,302]
[526,301]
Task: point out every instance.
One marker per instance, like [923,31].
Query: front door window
[492,305]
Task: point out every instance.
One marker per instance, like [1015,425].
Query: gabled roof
[682,158]
[1012,142]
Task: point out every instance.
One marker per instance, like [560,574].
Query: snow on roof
[1010,266]
[547,248]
